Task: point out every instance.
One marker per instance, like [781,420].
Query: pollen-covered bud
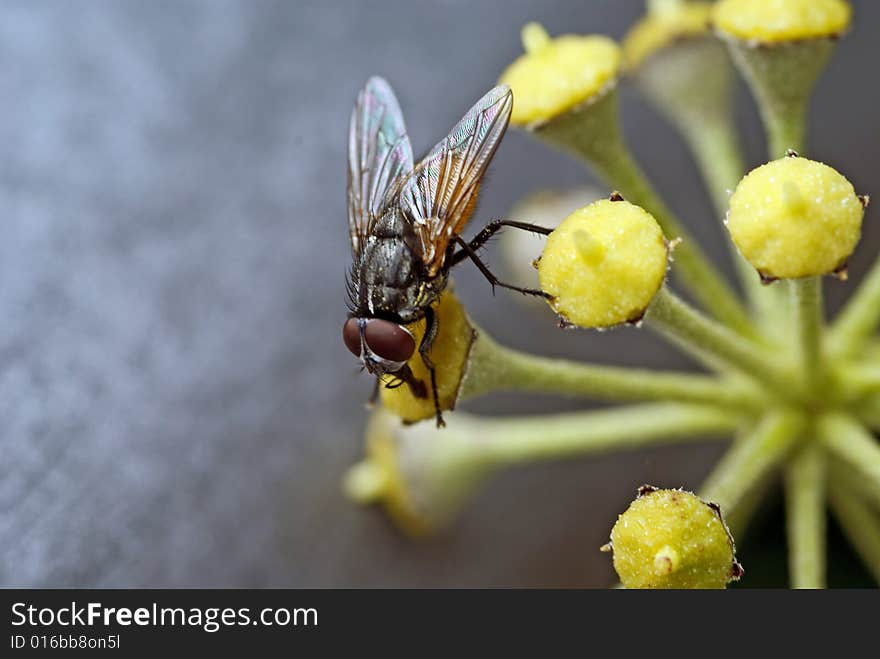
[795,217]
[555,75]
[449,352]
[777,21]
[604,264]
[421,476]
[673,539]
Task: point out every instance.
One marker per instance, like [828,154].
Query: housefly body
[405,221]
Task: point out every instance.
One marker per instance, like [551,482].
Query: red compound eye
[389,340]
[351,334]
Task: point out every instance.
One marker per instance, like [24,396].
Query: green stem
[806,297]
[866,378]
[494,367]
[525,439]
[859,522]
[712,343]
[782,78]
[425,475]
[786,129]
[805,517]
[859,318]
[718,156]
[749,503]
[720,161]
[592,133]
[872,350]
[691,84]
[869,414]
[751,459]
[856,381]
[856,447]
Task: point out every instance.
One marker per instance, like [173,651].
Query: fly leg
[494,227]
[432,325]
[375,395]
[469,251]
[406,376]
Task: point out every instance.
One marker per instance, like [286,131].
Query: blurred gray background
[176,405]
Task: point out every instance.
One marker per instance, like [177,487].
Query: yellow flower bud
[420,475]
[776,21]
[604,264]
[555,75]
[449,352]
[665,23]
[378,477]
[795,217]
[672,539]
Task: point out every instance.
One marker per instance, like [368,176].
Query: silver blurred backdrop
[177,405]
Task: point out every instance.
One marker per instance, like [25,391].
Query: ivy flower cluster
[797,393]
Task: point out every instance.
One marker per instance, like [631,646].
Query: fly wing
[379,154]
[440,194]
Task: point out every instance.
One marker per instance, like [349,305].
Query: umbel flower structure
[798,394]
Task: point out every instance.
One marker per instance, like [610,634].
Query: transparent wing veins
[379,155]
[438,195]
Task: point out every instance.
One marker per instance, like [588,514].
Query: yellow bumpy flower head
[449,352]
[775,21]
[555,75]
[666,22]
[604,264]
[794,217]
[672,539]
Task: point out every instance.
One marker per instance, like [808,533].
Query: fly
[405,221]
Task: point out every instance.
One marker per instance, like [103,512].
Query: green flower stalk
[685,72]
[854,514]
[859,320]
[798,396]
[798,219]
[805,516]
[423,476]
[751,459]
[782,47]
